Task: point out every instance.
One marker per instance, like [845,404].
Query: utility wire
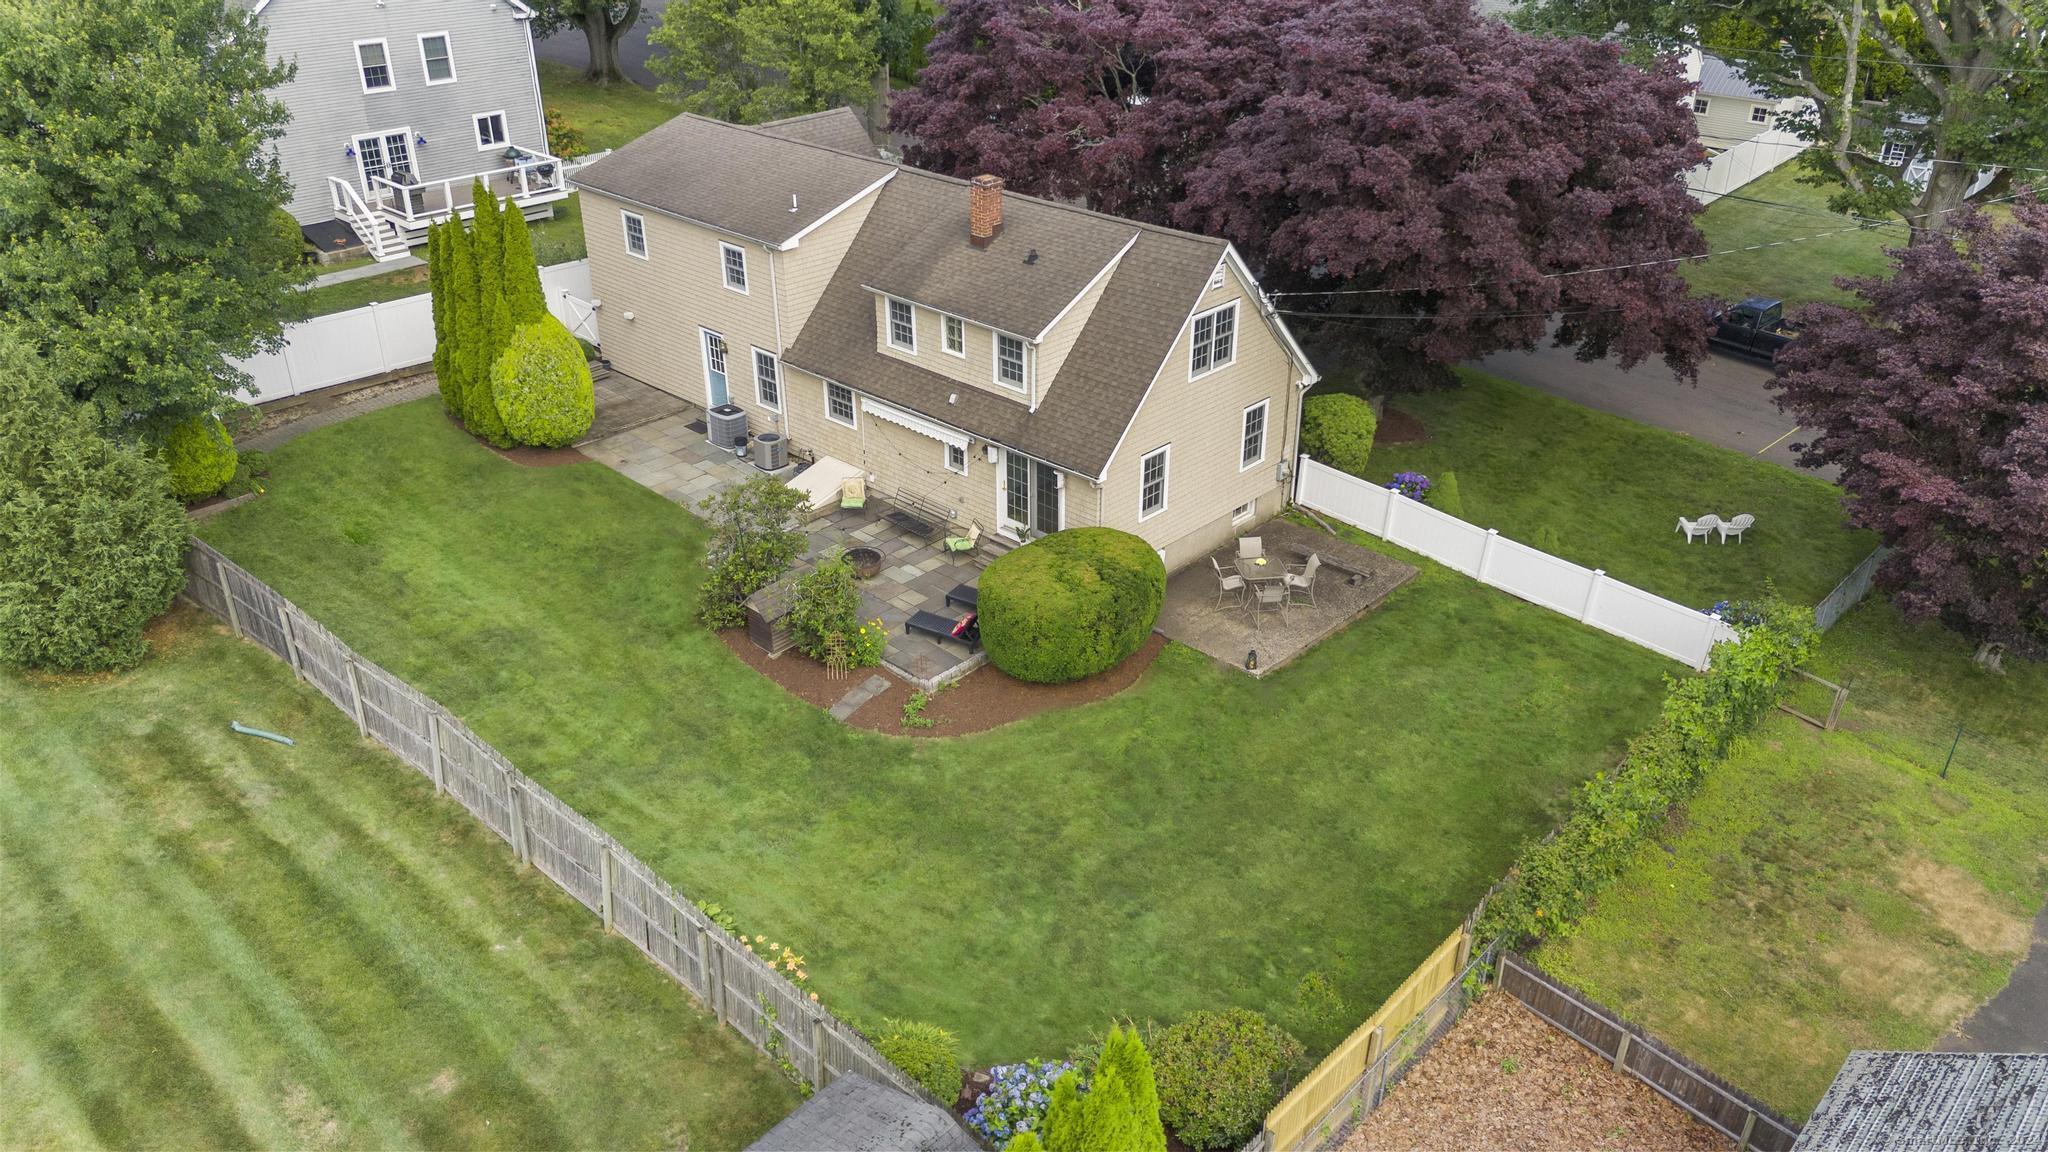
[1786,53]
[1738,140]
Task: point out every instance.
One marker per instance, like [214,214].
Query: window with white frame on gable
[1252,447]
[732,260]
[902,325]
[1152,483]
[1009,360]
[1215,340]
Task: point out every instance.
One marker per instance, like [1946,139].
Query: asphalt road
[2016,1020]
[569,47]
[1729,406]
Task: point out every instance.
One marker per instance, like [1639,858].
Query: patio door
[386,154]
[1031,496]
[715,389]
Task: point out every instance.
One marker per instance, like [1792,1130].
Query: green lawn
[608,116]
[1798,273]
[555,241]
[213,941]
[1613,490]
[1202,840]
[1829,891]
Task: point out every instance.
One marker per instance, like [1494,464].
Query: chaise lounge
[943,628]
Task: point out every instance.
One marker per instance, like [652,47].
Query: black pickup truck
[1755,327]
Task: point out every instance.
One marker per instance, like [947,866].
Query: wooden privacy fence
[1356,1076]
[1587,595]
[743,989]
[1723,1107]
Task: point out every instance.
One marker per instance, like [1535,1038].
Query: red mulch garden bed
[1398,427]
[983,699]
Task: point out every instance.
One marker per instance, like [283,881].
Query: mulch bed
[1503,1078]
[1398,427]
[983,699]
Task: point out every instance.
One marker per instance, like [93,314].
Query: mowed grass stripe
[229,943]
[1203,840]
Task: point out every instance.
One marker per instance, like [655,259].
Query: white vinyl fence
[1585,594]
[379,338]
[1743,163]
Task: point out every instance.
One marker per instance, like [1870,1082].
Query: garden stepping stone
[867,690]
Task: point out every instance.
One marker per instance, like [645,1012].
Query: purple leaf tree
[1437,186]
[1933,401]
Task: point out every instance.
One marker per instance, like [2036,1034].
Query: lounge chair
[966,630]
[964,543]
[853,492]
[1735,527]
[1700,528]
[1226,583]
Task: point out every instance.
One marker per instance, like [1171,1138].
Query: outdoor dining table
[1262,568]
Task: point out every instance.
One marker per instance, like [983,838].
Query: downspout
[782,419]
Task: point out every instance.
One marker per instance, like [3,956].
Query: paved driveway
[569,47]
[1729,406]
[2016,1020]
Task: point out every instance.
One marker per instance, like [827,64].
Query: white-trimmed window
[1759,114]
[839,404]
[956,458]
[902,325]
[373,60]
[1215,342]
[1243,512]
[732,263]
[436,58]
[1252,449]
[1009,361]
[1699,105]
[636,234]
[490,131]
[1894,153]
[1152,482]
[767,380]
[955,330]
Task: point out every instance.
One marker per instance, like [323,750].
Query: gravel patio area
[1503,1078]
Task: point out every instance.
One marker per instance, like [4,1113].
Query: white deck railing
[535,175]
[350,208]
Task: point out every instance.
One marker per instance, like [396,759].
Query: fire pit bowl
[867,562]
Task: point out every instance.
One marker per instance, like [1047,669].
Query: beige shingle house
[1006,361]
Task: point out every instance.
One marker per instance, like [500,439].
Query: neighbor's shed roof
[1720,78]
[1946,1100]
[855,1114]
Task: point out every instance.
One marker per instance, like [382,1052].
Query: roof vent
[792,202]
[1031,257]
[984,209]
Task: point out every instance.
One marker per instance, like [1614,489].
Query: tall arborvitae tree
[438,258]
[463,322]
[522,272]
[495,338]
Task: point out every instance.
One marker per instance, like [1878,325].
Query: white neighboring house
[397,106]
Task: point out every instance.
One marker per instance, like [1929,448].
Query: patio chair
[1700,528]
[1226,583]
[1250,548]
[1268,593]
[853,492]
[1304,581]
[1735,527]
[964,543]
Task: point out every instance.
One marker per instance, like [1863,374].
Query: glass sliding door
[1031,496]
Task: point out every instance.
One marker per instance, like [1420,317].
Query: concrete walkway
[2016,1020]
[366,271]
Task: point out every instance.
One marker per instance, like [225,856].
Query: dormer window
[902,326]
[1009,361]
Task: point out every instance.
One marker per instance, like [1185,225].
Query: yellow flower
[760,939]
[814,996]
[803,975]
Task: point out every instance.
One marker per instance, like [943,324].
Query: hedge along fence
[1552,885]
[712,965]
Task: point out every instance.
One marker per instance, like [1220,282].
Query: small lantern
[349,150]
[419,141]
[1251,660]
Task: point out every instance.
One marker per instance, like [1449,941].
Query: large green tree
[603,22]
[754,60]
[138,184]
[1959,83]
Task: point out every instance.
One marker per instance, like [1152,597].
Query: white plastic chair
[1735,527]
[1226,583]
[1700,528]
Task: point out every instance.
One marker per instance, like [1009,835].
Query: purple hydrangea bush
[1016,1099]
[1413,485]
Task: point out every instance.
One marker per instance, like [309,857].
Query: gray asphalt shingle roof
[1720,78]
[1947,1100]
[839,128]
[737,180]
[855,1114]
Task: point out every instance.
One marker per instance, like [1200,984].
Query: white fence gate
[1743,163]
[379,338]
[1585,594]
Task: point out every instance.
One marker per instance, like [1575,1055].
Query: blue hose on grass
[238,726]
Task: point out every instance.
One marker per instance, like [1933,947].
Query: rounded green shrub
[1220,1073]
[1070,604]
[1447,498]
[200,456]
[929,1053]
[1337,429]
[92,546]
[542,386]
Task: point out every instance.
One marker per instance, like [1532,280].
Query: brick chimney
[984,209]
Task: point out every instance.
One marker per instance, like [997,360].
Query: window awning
[914,422]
